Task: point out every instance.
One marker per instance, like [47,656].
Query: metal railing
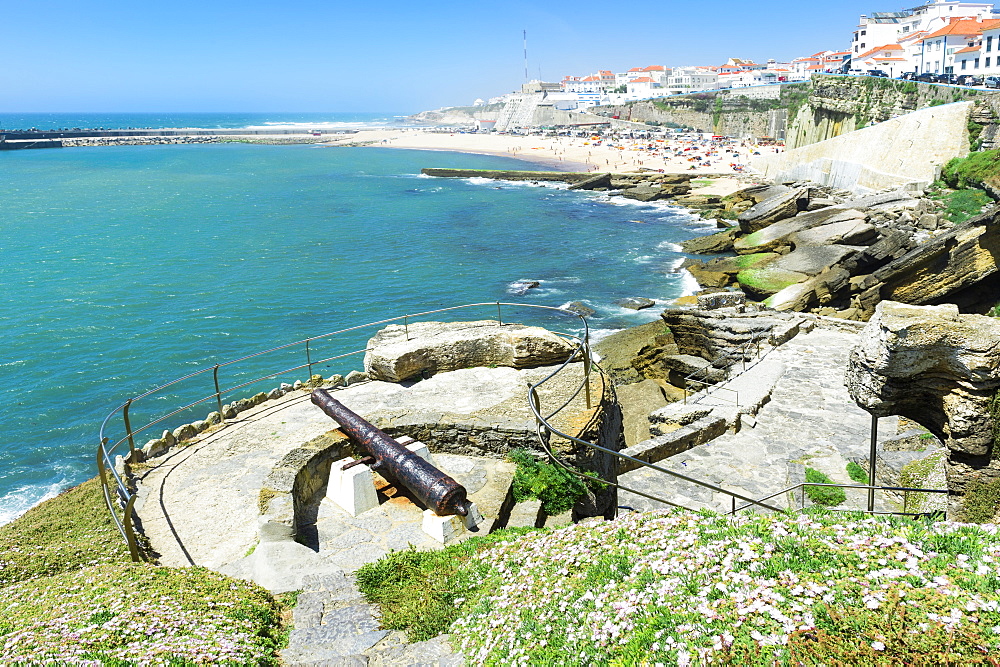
[546,430]
[744,351]
[119,496]
[117,491]
[869,488]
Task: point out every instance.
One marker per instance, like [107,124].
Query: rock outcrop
[941,370]
[843,258]
[422,349]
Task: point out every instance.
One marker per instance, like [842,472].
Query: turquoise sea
[122,268]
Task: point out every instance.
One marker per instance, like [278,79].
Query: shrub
[857,473]
[556,487]
[977,168]
[823,495]
[982,501]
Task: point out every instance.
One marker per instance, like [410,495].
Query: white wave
[20,500]
[669,246]
[597,335]
[689,285]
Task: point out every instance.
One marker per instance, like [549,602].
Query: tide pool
[122,268]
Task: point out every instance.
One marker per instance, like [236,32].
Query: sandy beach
[582,153]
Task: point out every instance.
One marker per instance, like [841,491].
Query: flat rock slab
[778,234]
[773,209]
[812,260]
[850,232]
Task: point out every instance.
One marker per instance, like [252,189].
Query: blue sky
[306,55]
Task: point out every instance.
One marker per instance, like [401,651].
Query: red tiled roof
[654,68]
[643,79]
[887,47]
[969,49]
[959,26]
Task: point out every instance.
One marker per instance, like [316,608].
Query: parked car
[926,77]
[877,72]
[907,76]
[970,80]
[855,72]
[947,78]
[992,82]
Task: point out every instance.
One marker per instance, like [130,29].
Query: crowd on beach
[583,150]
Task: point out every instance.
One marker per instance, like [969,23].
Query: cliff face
[841,104]
[722,112]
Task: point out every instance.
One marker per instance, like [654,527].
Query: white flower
[878,646]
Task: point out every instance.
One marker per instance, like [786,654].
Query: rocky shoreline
[802,247]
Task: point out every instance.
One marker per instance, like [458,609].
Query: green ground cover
[677,588]
[69,594]
[978,168]
[823,495]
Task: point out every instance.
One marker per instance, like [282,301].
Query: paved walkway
[810,420]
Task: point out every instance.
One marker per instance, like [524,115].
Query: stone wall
[903,151]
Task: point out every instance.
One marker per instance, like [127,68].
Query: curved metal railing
[545,430]
[120,496]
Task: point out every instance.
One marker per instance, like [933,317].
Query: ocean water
[218,120]
[122,268]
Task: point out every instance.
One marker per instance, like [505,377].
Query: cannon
[439,492]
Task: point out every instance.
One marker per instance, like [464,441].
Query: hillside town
[942,37]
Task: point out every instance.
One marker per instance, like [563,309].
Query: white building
[884,28]
[691,79]
[938,48]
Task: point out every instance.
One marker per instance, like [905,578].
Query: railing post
[406,326]
[133,547]
[586,372]
[499,319]
[871,464]
[128,430]
[218,392]
[309,366]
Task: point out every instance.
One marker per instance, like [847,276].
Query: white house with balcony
[983,57]
[882,28]
[938,49]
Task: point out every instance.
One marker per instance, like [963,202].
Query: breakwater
[34,135]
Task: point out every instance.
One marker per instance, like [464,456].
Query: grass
[823,495]
[681,588]
[857,473]
[420,592]
[141,613]
[67,533]
[70,593]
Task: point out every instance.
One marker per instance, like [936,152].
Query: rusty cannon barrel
[436,490]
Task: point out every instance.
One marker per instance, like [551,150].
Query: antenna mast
[525,35]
